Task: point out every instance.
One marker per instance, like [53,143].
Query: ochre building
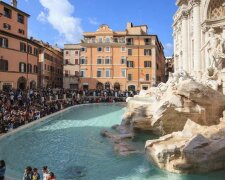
[50,65]
[18,54]
[121,60]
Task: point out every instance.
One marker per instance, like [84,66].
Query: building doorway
[32,85]
[22,83]
[117,86]
[99,86]
[107,85]
[85,86]
[131,88]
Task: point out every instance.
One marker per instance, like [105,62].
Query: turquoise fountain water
[71,145]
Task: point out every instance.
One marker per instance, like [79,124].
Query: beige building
[71,66]
[126,60]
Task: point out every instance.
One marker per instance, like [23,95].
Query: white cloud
[42,17]
[59,13]
[93,21]
[168,48]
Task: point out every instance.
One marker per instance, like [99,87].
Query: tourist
[28,173]
[36,175]
[45,172]
[51,176]
[2,169]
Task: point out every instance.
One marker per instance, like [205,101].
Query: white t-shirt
[45,176]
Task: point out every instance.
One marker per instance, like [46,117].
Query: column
[206,54]
[185,63]
[197,36]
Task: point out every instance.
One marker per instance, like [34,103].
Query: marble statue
[215,48]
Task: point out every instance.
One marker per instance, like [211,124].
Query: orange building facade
[50,66]
[125,60]
[25,62]
[18,54]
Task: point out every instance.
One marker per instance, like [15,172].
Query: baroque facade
[199,34]
[122,60]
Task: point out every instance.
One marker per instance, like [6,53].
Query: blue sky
[63,21]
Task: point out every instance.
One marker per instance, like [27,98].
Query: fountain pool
[71,145]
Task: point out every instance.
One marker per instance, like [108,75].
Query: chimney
[14,3]
[129,25]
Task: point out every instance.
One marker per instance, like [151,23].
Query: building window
[107,60]
[123,49]
[147,77]
[35,69]
[23,47]
[22,67]
[82,73]
[83,49]
[147,41]
[157,66]
[130,64]
[99,49]
[130,41]
[123,60]
[107,73]
[147,52]
[107,40]
[76,52]
[99,60]
[66,61]
[29,68]
[3,65]
[129,77]
[76,61]
[123,73]
[100,39]
[129,52]
[122,40]
[20,18]
[99,73]
[7,12]
[45,67]
[115,40]
[29,48]
[3,42]
[66,73]
[147,64]
[35,51]
[107,49]
[67,52]
[77,73]
[6,26]
[21,31]
[83,60]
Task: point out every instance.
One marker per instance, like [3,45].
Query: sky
[63,21]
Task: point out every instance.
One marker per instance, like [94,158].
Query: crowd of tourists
[33,174]
[29,173]
[19,107]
